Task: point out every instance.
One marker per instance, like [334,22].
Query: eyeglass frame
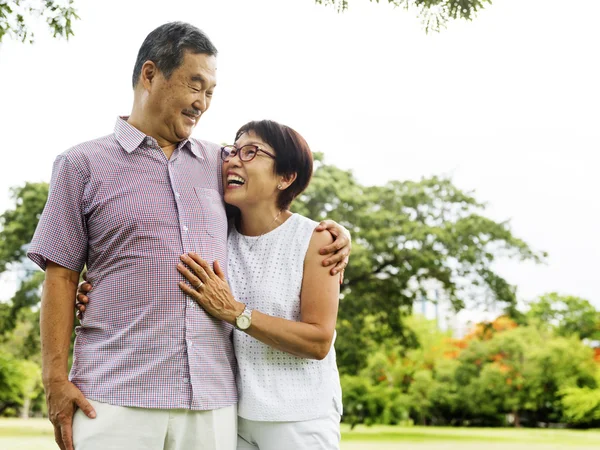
[238,150]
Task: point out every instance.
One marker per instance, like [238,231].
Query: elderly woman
[277,294]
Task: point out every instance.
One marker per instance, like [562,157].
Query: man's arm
[56,326]
[338,252]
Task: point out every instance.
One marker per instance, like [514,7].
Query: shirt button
[185,228]
[177,194]
[149,140]
[186,380]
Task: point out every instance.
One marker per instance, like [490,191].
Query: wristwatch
[244,320]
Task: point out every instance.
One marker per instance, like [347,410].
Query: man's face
[177,103]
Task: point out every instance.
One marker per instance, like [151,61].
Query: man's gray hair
[166,45]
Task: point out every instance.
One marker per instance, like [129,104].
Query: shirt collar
[195,147]
[131,138]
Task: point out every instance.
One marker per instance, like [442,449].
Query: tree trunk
[25,408]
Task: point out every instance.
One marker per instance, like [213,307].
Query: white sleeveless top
[275,385]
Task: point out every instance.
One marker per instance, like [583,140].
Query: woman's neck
[256,221]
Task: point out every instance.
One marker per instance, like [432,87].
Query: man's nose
[201,103]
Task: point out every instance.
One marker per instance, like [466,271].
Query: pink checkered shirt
[117,205]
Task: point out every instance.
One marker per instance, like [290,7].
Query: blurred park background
[456,139]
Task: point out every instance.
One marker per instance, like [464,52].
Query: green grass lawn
[441,438]
[36,434]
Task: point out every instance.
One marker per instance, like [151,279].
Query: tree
[582,404]
[407,237]
[434,14]
[520,371]
[20,382]
[399,384]
[567,315]
[16,17]
[498,374]
[17,226]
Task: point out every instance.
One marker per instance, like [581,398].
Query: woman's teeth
[234,179]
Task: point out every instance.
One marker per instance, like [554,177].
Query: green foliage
[20,381]
[16,15]
[406,235]
[22,340]
[480,380]
[17,225]
[26,297]
[582,404]
[435,14]
[370,403]
[400,386]
[566,315]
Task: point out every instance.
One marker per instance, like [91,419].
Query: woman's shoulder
[316,238]
[304,221]
[305,226]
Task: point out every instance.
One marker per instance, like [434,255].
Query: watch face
[243,322]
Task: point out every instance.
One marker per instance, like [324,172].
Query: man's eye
[209,94]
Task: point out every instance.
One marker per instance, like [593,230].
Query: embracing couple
[201,328]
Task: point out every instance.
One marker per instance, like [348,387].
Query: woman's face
[251,183]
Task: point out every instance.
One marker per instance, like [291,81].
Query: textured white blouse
[265,272]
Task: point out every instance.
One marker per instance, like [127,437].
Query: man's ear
[286,181]
[148,74]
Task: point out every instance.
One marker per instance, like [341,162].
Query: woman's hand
[338,252]
[209,289]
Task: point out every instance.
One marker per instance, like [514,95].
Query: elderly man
[152,369]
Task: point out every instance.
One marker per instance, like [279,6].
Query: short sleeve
[61,235]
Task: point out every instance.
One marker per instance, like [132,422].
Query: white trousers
[318,434]
[124,428]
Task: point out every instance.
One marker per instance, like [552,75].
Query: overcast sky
[507,105]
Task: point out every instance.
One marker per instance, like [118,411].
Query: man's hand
[338,252]
[81,299]
[63,399]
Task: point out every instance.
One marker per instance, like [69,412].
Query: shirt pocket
[213,209]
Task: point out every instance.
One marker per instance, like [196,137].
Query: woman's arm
[311,337]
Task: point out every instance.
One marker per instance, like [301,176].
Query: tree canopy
[566,315]
[16,17]
[434,14]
